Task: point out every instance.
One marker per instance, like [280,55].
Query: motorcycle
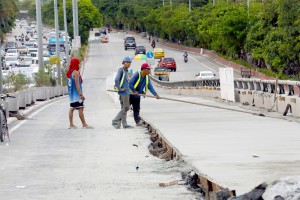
[153,45]
[185,58]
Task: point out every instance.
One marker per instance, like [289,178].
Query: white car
[33,41]
[35,36]
[205,75]
[10,62]
[12,53]
[26,61]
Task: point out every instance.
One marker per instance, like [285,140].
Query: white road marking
[203,64]
[30,116]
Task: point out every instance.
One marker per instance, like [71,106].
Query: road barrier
[29,96]
[267,94]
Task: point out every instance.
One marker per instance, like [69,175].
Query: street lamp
[57,50]
[66,35]
[1,75]
[39,32]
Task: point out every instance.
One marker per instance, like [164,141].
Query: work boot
[139,124]
[127,126]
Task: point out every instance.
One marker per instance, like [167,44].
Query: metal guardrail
[267,86]
[215,82]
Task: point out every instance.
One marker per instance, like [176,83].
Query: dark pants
[135,102]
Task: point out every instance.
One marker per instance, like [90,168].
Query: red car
[168,63]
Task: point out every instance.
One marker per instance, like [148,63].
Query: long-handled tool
[200,104]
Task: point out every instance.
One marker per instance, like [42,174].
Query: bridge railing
[268,86]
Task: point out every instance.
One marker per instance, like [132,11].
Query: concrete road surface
[46,160]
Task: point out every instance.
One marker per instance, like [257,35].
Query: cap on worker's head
[145,66]
[127,59]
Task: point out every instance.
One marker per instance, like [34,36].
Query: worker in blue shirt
[139,84]
[122,87]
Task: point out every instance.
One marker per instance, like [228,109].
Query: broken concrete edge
[34,107]
[208,184]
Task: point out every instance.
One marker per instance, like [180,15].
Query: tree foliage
[88,17]
[8,13]
[266,33]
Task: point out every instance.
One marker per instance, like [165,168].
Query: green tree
[88,17]
[8,13]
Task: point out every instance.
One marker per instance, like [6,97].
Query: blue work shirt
[125,83]
[141,86]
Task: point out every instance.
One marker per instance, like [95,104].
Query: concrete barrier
[13,103]
[22,99]
[40,93]
[269,102]
[281,103]
[28,94]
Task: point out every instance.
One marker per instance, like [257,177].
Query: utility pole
[163,2]
[248,4]
[75,25]
[171,4]
[190,6]
[74,19]
[57,50]
[76,9]
[66,35]
[1,75]
[40,34]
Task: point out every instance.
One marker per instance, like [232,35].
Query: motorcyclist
[185,56]
[153,43]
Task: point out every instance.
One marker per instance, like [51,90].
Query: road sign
[150,54]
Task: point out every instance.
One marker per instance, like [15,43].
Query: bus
[52,45]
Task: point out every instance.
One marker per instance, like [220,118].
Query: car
[29,30]
[23,50]
[140,50]
[168,63]
[162,73]
[102,31]
[26,60]
[23,23]
[29,45]
[10,62]
[52,34]
[205,75]
[158,53]
[104,39]
[129,43]
[35,36]
[10,45]
[128,37]
[33,41]
[12,53]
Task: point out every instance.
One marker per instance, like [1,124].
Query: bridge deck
[221,143]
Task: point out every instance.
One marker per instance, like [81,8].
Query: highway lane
[221,144]
[185,71]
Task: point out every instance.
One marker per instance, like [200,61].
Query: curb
[34,107]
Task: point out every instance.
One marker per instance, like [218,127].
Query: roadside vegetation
[8,13]
[265,35]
